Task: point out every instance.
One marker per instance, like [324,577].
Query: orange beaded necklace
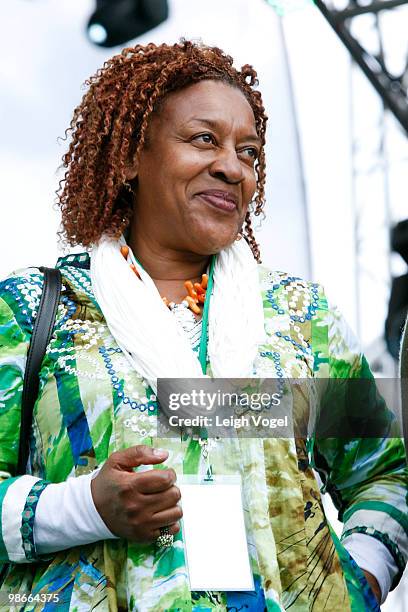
[196,292]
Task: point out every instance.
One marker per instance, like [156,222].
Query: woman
[168,149]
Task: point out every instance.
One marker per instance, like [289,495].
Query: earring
[239,236]
[128,187]
[251,207]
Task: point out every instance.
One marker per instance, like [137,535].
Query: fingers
[164,500]
[137,455]
[167,517]
[135,504]
[155,481]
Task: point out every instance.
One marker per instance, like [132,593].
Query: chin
[213,247]
[210,233]
[212,239]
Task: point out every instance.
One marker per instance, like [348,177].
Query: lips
[222,200]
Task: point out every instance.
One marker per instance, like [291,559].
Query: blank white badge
[214,534]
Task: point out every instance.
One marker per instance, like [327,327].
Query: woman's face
[196,172]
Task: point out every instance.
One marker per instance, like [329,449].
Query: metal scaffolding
[391,87]
[376,127]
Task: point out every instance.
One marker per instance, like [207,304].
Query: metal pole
[380,79]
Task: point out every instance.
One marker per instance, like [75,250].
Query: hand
[375,587]
[135,505]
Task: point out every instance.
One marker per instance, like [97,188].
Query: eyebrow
[214,124]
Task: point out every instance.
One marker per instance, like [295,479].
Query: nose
[226,166]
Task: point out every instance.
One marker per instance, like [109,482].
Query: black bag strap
[404,384]
[42,332]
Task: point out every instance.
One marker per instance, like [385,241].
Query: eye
[206,138]
[250,154]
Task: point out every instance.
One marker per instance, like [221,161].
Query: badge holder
[214,533]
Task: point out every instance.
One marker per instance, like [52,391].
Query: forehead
[213,100]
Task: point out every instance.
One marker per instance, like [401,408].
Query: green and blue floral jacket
[92,403]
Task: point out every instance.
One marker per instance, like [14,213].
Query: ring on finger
[165,539]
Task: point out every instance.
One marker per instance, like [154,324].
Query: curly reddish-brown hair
[109,127]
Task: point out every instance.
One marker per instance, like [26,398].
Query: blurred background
[334,78]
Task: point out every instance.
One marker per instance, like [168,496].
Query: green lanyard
[202,355]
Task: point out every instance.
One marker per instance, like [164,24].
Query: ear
[132,168]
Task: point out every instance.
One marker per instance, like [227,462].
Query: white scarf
[147,332]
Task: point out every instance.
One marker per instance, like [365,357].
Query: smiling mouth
[219,200]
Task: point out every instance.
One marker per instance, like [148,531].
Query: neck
[166,264]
